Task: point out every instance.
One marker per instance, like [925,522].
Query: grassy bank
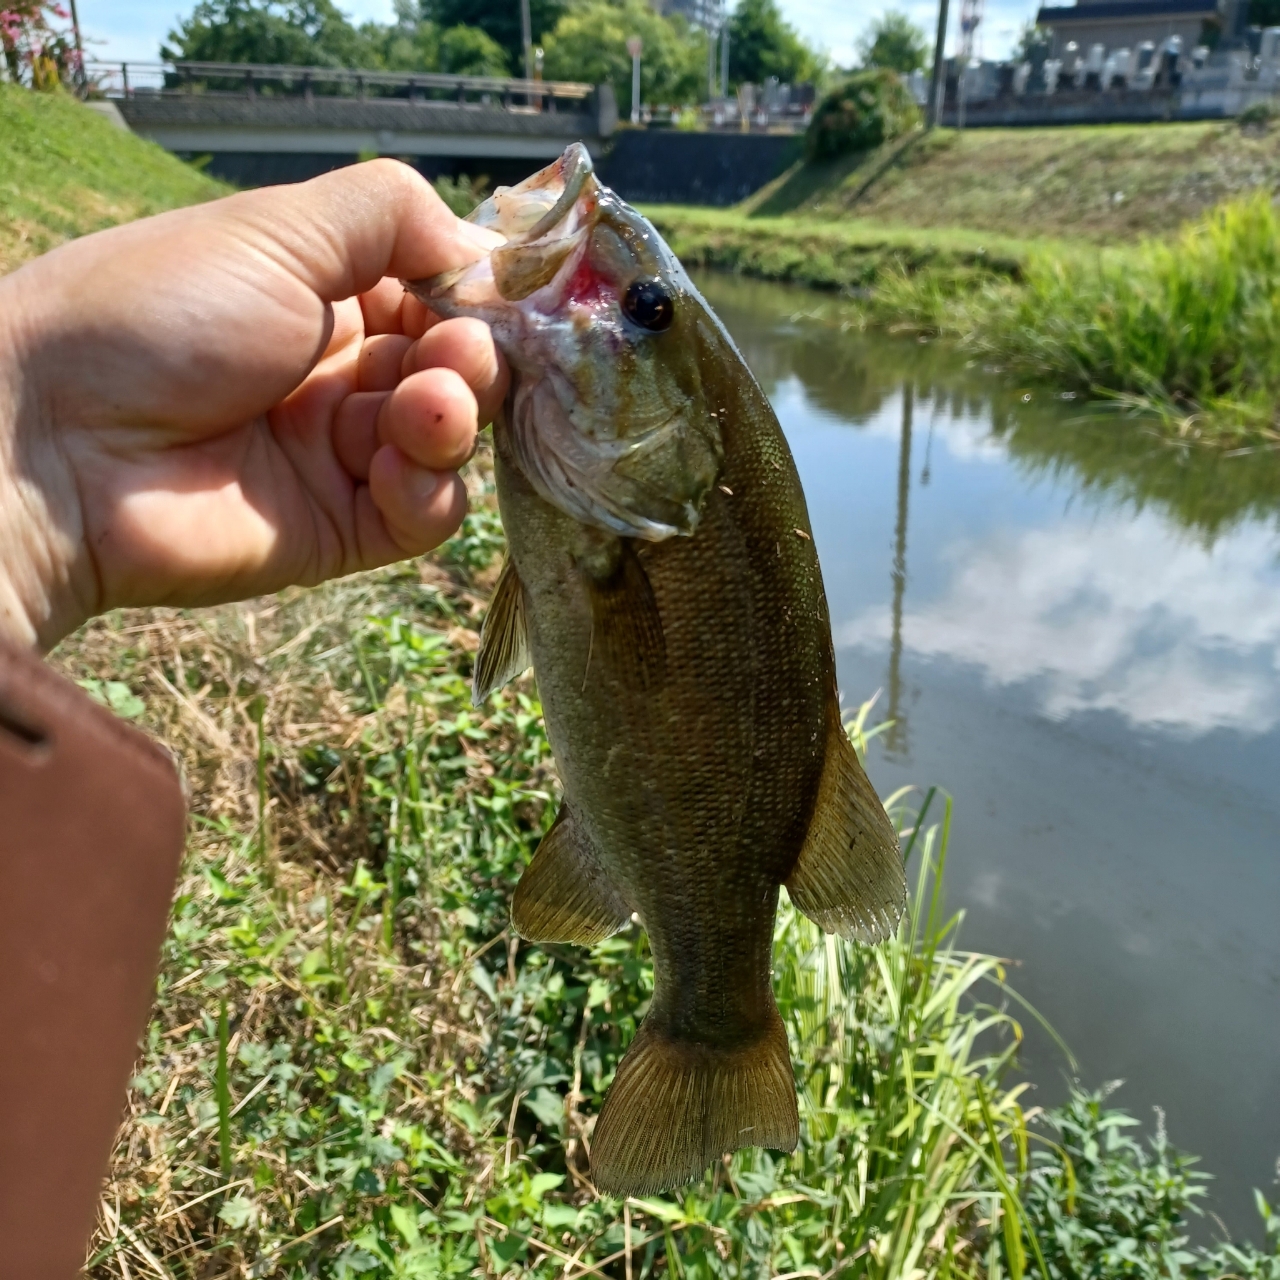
[65,171]
[851,255]
[1105,184]
[354,1068]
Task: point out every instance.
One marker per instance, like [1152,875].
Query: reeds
[1186,327]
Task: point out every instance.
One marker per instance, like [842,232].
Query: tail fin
[676,1107]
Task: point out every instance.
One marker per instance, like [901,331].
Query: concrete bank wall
[669,166]
[659,166]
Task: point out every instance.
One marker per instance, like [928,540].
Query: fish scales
[663,581]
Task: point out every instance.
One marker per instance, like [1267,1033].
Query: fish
[662,580]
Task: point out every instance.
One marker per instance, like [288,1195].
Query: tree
[895,42]
[498,19]
[36,52]
[278,32]
[761,45]
[590,43]
[469,51]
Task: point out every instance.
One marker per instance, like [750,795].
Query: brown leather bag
[91,832]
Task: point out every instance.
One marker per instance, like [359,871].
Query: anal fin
[504,640]
[849,878]
[565,894]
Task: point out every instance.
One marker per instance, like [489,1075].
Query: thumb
[343,232]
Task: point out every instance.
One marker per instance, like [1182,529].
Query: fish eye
[649,305]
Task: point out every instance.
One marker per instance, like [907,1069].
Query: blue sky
[133,29]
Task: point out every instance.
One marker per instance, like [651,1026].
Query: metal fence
[232,79]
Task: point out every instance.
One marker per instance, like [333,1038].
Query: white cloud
[1115,615]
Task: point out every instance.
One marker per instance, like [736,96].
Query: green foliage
[462,194]
[1190,328]
[589,43]
[1103,1204]
[763,44]
[302,32]
[875,264]
[405,1089]
[894,42]
[500,20]
[863,111]
[470,51]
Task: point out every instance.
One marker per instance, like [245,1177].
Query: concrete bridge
[271,123]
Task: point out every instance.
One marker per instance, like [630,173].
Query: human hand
[227,399]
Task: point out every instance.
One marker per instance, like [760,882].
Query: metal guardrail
[247,79]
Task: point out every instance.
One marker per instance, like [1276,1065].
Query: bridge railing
[246,79]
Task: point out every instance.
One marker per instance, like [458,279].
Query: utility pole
[75,26]
[634,46]
[938,82]
[724,59]
[526,35]
[711,62]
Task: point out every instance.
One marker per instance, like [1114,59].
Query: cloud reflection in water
[1114,613]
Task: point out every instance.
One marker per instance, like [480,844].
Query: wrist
[37,546]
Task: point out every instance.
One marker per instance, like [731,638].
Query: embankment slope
[1103,183]
[65,171]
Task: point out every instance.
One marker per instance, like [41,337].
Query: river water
[1076,631]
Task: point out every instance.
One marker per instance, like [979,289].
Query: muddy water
[1076,631]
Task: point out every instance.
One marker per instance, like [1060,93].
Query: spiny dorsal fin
[564,894]
[849,877]
[504,640]
[676,1107]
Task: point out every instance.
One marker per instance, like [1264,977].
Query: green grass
[65,171]
[851,255]
[1107,184]
[1188,327]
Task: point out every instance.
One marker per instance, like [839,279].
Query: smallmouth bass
[662,580]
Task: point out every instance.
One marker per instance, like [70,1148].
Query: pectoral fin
[564,894]
[504,642]
[627,638]
[849,877]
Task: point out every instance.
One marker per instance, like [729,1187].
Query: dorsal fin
[849,878]
[504,640]
[565,894]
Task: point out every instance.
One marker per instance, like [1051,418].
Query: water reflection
[895,737]
[1077,631]
[789,335]
[1098,615]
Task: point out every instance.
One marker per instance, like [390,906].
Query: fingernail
[481,237]
[423,485]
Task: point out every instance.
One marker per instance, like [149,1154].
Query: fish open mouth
[596,421]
